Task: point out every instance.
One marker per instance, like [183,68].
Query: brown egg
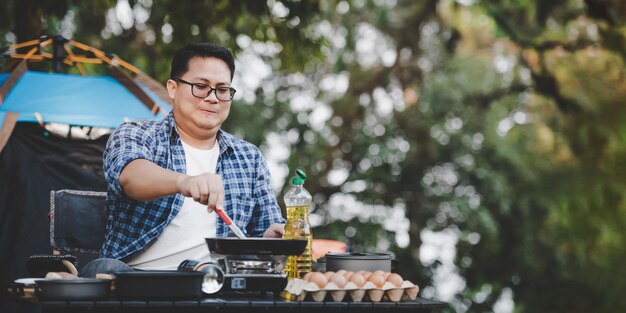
[365,274]
[339,280]
[347,275]
[379,272]
[358,280]
[377,280]
[395,279]
[329,274]
[386,275]
[319,279]
[342,272]
[307,276]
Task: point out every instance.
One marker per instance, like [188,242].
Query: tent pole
[58,52]
[10,119]
[132,86]
[15,75]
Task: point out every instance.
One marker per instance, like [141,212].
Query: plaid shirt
[132,225]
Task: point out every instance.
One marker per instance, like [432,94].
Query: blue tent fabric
[99,101]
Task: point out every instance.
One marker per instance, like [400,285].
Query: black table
[238,304]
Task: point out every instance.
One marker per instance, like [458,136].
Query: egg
[386,275]
[342,272]
[358,280]
[395,279]
[365,274]
[379,272]
[319,279]
[376,279]
[307,276]
[338,279]
[329,274]
[347,275]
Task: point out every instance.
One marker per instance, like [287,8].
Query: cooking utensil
[256,246]
[230,223]
[254,264]
[158,284]
[73,289]
[354,262]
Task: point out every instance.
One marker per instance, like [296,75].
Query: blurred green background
[483,142]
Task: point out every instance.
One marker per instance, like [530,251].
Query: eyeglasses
[222,93]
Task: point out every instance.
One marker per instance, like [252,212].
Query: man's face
[200,117]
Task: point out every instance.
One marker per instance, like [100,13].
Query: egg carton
[302,290]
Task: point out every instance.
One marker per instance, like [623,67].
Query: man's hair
[180,62]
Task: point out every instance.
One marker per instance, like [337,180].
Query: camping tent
[34,160]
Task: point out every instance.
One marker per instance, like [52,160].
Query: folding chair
[77,223]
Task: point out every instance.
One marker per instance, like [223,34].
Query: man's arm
[143,180]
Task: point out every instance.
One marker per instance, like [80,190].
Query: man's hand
[274,231]
[206,188]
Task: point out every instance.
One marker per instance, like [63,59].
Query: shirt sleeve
[127,143]
[266,211]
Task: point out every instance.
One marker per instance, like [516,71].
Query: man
[166,177]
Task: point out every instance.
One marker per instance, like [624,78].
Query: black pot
[354,262]
[73,289]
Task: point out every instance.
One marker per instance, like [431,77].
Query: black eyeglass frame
[211,89]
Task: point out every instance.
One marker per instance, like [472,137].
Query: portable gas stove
[254,264]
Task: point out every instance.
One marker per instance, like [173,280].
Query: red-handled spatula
[230,223]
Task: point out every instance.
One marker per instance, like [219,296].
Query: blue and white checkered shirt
[132,225]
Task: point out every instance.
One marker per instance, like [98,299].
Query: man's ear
[171,88]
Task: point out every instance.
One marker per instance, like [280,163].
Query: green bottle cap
[297,181]
[300,173]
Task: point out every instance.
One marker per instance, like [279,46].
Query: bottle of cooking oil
[298,202]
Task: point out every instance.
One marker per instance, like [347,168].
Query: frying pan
[73,289]
[257,246]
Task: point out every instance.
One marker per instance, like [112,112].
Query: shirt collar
[225,141]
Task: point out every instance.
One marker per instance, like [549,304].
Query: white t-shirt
[183,237]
